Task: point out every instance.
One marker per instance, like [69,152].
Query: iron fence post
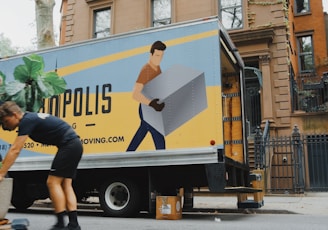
[298,157]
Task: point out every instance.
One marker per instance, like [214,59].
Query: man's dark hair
[158,45]
[8,108]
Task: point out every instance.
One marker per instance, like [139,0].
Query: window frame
[241,6]
[301,53]
[153,21]
[96,5]
[94,32]
[305,12]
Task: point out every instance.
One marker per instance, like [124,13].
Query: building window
[102,21]
[231,14]
[305,53]
[302,6]
[161,12]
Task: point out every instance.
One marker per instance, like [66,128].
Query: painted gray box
[183,91]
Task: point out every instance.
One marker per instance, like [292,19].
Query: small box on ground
[168,208]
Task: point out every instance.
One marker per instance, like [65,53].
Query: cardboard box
[168,208]
[183,91]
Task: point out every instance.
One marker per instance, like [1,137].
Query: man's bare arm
[138,96]
[12,155]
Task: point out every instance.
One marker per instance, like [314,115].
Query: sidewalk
[310,203]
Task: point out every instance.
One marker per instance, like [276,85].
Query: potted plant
[6,187]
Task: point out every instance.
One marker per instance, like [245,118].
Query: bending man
[50,130]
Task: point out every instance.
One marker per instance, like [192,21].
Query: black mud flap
[216,177]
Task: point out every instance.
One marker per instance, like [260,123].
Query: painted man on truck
[148,72]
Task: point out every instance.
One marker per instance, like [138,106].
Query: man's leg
[138,137]
[57,196]
[159,139]
[63,170]
[71,203]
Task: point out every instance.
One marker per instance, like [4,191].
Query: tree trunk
[44,23]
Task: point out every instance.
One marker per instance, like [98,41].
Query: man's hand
[1,177]
[158,107]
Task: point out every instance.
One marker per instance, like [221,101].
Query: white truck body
[198,63]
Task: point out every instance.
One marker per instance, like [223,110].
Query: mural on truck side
[116,108]
[167,100]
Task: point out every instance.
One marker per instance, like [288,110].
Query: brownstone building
[286,40]
[308,55]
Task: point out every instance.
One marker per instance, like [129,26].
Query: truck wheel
[120,198]
[20,199]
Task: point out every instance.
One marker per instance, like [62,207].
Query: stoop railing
[292,163]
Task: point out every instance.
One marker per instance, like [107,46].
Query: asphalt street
[303,211]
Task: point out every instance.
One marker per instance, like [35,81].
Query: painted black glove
[158,107]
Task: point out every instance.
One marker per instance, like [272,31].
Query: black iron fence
[292,163]
[317,161]
[310,92]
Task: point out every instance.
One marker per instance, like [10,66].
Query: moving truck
[191,133]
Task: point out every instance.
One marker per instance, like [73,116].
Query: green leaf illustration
[31,85]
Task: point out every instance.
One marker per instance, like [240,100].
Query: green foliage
[6,48]
[31,84]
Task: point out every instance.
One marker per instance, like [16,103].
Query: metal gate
[317,152]
[285,164]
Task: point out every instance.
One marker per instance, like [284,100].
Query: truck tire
[120,198]
[188,199]
[20,198]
